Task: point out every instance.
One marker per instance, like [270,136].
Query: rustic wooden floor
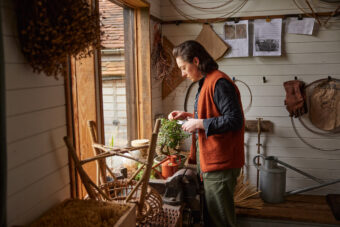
[304,208]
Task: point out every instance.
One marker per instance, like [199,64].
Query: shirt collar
[201,81]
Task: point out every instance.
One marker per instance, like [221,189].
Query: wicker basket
[120,189]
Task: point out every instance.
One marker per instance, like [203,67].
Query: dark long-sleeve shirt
[226,101]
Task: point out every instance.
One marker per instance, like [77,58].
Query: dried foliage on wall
[49,31]
[164,64]
[159,57]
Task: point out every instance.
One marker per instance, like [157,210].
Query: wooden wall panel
[37,162]
[307,57]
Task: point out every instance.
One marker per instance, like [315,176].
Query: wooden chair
[148,200]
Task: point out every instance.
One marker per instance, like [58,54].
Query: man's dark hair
[191,49]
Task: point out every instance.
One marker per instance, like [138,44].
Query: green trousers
[219,189]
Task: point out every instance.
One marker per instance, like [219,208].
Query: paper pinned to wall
[267,37]
[237,36]
[303,26]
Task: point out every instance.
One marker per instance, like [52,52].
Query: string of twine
[205,8]
[220,19]
[224,17]
[305,142]
[315,16]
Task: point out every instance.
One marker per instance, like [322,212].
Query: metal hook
[264,79]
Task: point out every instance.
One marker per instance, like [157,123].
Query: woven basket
[120,189]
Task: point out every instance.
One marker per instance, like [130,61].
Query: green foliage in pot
[170,135]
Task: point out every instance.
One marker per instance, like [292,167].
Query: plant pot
[157,160]
[181,160]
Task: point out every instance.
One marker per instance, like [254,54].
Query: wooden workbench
[304,208]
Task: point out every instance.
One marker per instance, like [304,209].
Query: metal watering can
[273,179]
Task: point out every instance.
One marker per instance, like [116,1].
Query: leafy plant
[111,141]
[170,135]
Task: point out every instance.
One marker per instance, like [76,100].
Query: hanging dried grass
[245,194]
[50,31]
[161,57]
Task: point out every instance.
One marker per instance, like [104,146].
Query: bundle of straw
[246,195]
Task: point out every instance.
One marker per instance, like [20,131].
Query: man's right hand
[179,115]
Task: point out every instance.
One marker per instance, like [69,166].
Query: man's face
[189,70]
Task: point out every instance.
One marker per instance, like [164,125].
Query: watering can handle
[255,158]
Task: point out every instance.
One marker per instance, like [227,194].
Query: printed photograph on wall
[267,37]
[236,36]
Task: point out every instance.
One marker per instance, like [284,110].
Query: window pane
[113,73]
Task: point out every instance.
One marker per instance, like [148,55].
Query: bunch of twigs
[160,58]
[50,31]
[246,195]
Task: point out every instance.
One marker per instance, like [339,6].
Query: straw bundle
[245,194]
[82,213]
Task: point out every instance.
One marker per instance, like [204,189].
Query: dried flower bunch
[161,58]
[50,31]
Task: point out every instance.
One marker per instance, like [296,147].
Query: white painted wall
[114,107]
[38,176]
[307,57]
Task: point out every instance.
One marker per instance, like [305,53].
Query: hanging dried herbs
[49,31]
[161,58]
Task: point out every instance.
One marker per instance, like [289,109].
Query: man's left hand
[192,124]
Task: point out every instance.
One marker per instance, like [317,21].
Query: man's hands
[179,115]
[191,124]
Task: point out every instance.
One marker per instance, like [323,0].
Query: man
[219,122]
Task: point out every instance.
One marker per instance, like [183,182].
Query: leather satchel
[295,98]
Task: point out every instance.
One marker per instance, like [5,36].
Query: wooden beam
[143,72]
[216,20]
[70,127]
[130,72]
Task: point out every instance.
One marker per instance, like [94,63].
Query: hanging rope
[250,93]
[314,15]
[221,18]
[205,8]
[305,142]
[193,83]
[316,132]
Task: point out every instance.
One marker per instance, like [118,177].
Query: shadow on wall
[3,157]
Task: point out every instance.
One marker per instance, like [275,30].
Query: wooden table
[304,208]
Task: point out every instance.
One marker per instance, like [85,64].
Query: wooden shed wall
[307,57]
[37,160]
